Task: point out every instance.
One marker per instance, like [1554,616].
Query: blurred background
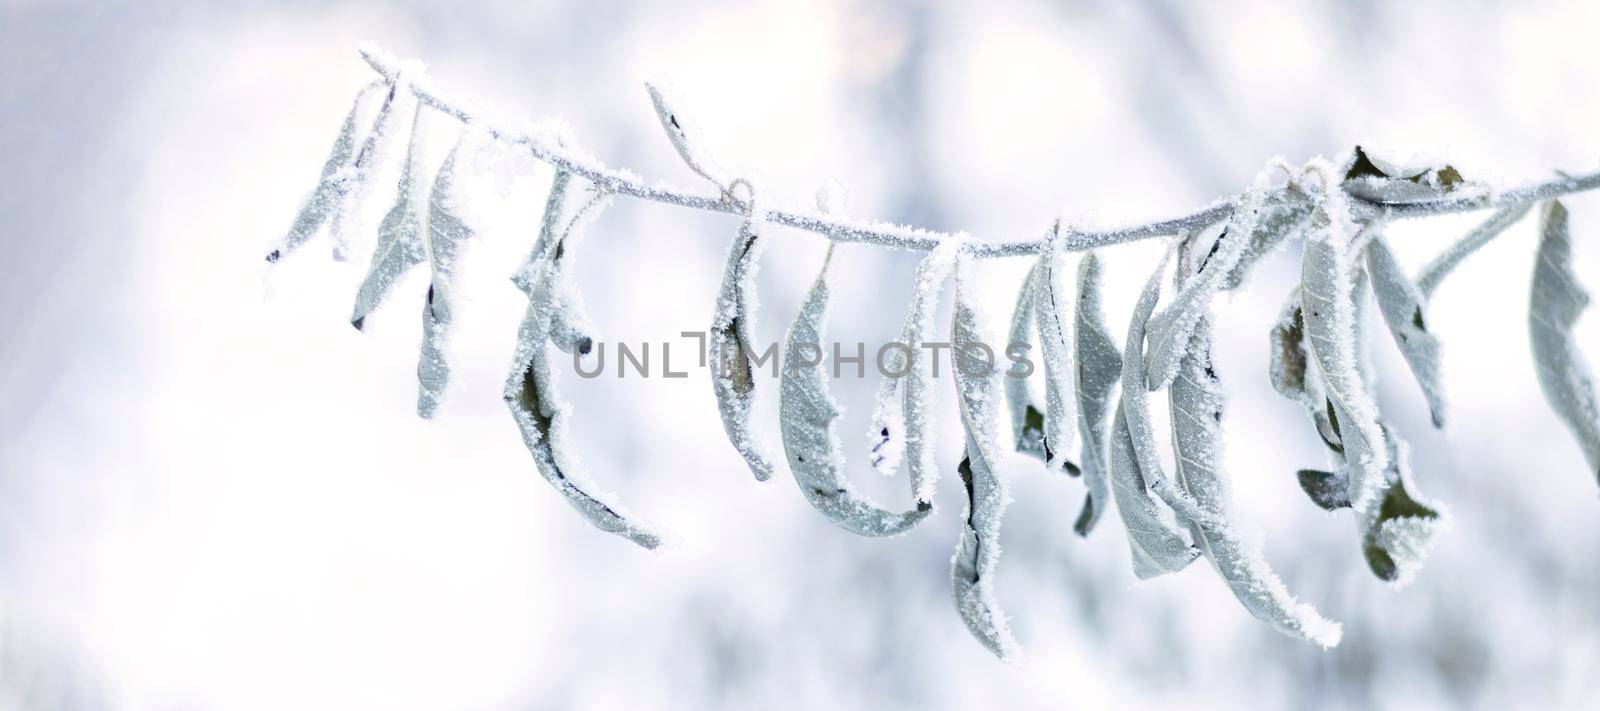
[214,493]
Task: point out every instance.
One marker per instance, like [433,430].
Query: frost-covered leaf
[541,416]
[331,187]
[807,412]
[1099,367]
[1557,303]
[1027,416]
[1429,277]
[1399,532]
[1379,180]
[1402,306]
[729,344]
[1328,490]
[973,566]
[571,329]
[1158,543]
[1051,311]
[446,232]
[1281,217]
[400,241]
[1329,265]
[913,414]
[1197,403]
[1293,374]
[357,176]
[1135,408]
[550,226]
[684,133]
[1170,330]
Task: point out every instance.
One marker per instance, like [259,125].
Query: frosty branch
[1336,209]
[548,148]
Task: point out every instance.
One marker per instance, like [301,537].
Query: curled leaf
[1158,543]
[732,373]
[807,412]
[1557,303]
[973,566]
[1171,329]
[446,232]
[1293,376]
[541,417]
[1402,306]
[1280,217]
[571,329]
[1099,367]
[684,133]
[1399,532]
[1329,265]
[400,240]
[331,187]
[916,388]
[1055,336]
[550,226]
[1371,178]
[357,176]
[1329,490]
[1197,403]
[1027,417]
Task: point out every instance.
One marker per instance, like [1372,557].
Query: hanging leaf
[1197,403]
[1135,407]
[891,418]
[684,133]
[1378,180]
[1329,490]
[541,416]
[1293,376]
[331,187]
[973,566]
[400,241]
[807,412]
[1280,217]
[1170,330]
[1557,303]
[358,176]
[1428,279]
[446,232]
[1402,306]
[1328,268]
[1027,416]
[550,226]
[1055,334]
[571,329]
[1158,543]
[732,372]
[916,388]
[1400,531]
[1099,367]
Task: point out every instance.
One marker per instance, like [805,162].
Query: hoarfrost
[729,343]
[1099,367]
[973,565]
[807,413]
[1557,303]
[446,232]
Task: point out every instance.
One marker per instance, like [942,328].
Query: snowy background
[214,494]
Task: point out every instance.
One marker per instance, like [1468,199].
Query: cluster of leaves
[1319,359]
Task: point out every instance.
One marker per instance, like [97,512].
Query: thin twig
[551,149]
